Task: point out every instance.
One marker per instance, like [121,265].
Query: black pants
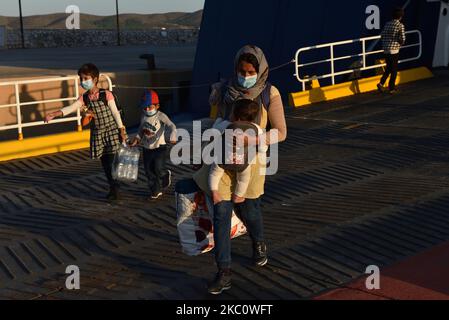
[391,70]
[106,161]
[155,170]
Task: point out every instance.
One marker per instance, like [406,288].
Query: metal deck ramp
[363,181]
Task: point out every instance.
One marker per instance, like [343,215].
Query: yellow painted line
[350,88]
[31,147]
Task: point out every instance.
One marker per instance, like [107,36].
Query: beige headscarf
[236,92]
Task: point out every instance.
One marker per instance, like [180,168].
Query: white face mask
[150,113]
[247,82]
[87,85]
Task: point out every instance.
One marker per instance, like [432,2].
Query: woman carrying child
[249,82]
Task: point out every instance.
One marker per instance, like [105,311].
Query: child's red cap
[149,98]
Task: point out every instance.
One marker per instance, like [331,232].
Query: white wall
[441,55]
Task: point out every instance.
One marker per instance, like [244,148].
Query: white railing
[363,55]
[18,104]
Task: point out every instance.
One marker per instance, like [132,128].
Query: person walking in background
[393,37]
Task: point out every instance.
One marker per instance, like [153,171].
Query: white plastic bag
[195,220]
[126,164]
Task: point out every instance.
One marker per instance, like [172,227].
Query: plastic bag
[126,164]
[195,219]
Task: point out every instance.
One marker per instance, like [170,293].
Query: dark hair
[398,13]
[245,110]
[89,69]
[250,58]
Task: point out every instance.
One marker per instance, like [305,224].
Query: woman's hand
[236,199]
[216,198]
[52,115]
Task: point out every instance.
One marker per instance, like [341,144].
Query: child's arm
[64,111]
[215,175]
[113,106]
[116,114]
[173,134]
[243,179]
[402,35]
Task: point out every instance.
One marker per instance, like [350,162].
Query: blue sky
[100,7]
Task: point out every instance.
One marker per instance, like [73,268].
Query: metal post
[21,24]
[79,127]
[364,53]
[118,22]
[18,111]
[332,64]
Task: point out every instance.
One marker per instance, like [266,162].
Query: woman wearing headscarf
[250,81]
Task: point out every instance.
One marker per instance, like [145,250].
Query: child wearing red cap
[151,136]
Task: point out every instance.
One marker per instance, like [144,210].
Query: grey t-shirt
[152,130]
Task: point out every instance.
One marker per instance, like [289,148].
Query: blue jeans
[251,215]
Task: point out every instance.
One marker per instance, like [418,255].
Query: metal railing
[363,55]
[18,104]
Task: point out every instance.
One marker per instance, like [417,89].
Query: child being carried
[244,115]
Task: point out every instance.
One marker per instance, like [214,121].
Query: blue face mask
[87,85]
[150,113]
[247,82]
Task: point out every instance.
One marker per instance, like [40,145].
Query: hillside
[178,20]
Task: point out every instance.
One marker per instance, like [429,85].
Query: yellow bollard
[20,138]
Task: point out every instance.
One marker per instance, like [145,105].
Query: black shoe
[380,87]
[113,194]
[221,283]
[166,180]
[260,256]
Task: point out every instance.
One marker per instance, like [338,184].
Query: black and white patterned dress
[104,132]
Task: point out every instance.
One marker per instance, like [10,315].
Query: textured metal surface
[362,181]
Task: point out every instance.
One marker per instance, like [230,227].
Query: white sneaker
[156,196]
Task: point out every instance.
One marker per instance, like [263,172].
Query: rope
[163,88]
[283,65]
[192,86]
